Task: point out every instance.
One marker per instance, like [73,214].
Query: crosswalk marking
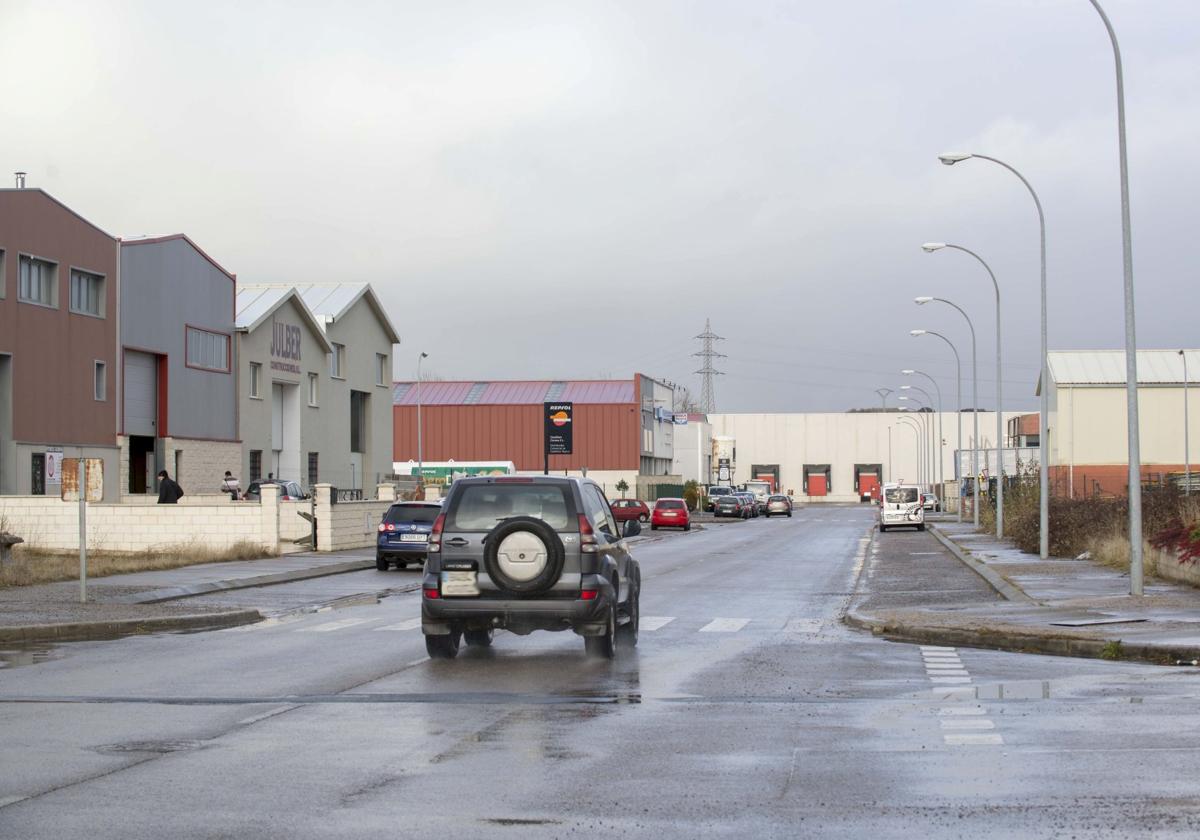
[336,625]
[410,624]
[949,680]
[650,623]
[967,723]
[725,625]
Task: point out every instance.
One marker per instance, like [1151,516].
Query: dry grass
[1113,550]
[31,565]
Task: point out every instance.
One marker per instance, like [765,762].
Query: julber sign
[285,347]
[558,430]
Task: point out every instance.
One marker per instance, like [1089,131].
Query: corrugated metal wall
[606,437]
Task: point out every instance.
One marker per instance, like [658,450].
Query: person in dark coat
[169,492]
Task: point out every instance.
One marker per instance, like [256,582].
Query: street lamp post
[937,462]
[941,438]
[958,375]
[420,451]
[927,431]
[921,301]
[883,395]
[916,428]
[1044,408]
[930,247]
[1187,454]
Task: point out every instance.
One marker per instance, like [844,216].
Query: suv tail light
[382,527]
[587,537]
[435,536]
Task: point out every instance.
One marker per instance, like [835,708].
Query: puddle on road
[17,657]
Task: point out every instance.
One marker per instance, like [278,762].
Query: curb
[171,593]
[1018,642]
[86,630]
[1007,589]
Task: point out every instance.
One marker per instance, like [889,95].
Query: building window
[337,361]
[87,293]
[312,389]
[37,281]
[359,403]
[312,468]
[101,382]
[255,464]
[381,369]
[3,277]
[256,380]
[207,350]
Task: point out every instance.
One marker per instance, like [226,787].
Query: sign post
[558,430]
[82,481]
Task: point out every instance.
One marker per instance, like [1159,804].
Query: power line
[708,400]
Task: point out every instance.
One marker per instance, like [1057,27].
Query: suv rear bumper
[439,616]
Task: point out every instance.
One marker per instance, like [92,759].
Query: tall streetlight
[939,461]
[931,247]
[916,428]
[941,438]
[420,452]
[958,369]
[1131,398]
[927,431]
[1187,456]
[921,301]
[1043,434]
[883,395]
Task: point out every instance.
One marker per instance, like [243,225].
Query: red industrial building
[618,425]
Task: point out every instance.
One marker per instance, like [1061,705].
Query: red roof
[529,392]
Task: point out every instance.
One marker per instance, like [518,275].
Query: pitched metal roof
[524,392]
[1107,367]
[254,304]
[151,239]
[330,301]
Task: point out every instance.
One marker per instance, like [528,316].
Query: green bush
[691,494]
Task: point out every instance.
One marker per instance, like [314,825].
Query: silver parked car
[525,553]
[778,505]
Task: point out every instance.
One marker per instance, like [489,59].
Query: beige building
[1089,449]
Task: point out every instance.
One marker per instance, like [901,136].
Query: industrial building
[622,429]
[1089,447]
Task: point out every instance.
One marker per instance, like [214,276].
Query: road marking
[410,624]
[938,647]
[341,624]
[725,625]
[650,623]
[949,680]
[967,739]
[967,723]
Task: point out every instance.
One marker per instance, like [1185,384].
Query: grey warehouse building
[315,367]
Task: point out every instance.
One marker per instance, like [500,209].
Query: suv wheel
[381,563]
[643,518]
[443,647]
[604,647]
[479,638]
[627,634]
[523,556]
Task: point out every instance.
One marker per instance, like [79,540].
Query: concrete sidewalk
[1057,606]
[149,601]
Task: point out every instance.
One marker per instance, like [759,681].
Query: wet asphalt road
[747,710]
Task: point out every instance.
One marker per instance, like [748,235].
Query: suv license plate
[459,584]
[414,538]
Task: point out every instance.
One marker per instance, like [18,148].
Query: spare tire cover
[523,556]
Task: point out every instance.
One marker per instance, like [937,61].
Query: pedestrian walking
[169,491]
[230,485]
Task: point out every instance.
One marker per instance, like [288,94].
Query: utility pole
[708,401]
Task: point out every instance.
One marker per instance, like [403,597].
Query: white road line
[336,625]
[967,723]
[725,625]
[937,647]
[410,624]
[949,680]
[959,711]
[650,623]
[967,739]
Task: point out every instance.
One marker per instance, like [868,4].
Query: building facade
[59,282]
[179,385]
[1089,448]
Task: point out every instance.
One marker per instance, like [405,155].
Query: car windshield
[398,514]
[720,491]
[900,495]
[669,504]
[481,506]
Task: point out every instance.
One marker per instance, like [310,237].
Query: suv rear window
[669,504]
[777,499]
[480,507]
[411,513]
[900,495]
[720,491]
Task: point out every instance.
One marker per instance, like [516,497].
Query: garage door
[816,485]
[141,394]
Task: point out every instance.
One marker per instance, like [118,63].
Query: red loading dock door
[816,485]
[868,483]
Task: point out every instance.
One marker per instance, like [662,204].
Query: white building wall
[1091,429]
[693,452]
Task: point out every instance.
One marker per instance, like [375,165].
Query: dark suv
[525,553]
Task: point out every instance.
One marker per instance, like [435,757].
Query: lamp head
[424,355]
[922,300]
[915,333]
[905,387]
[951,158]
[930,247]
[908,372]
[904,398]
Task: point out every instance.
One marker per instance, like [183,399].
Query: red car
[626,509]
[670,513]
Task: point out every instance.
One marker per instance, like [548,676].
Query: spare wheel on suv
[523,556]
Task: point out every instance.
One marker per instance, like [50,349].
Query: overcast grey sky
[568,189]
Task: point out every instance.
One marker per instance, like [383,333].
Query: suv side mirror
[632,528]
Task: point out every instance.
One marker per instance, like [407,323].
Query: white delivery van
[900,506]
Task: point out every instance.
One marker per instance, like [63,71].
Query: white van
[901,507]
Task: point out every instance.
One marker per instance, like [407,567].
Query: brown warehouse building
[622,429]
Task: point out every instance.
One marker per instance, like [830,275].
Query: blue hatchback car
[404,534]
